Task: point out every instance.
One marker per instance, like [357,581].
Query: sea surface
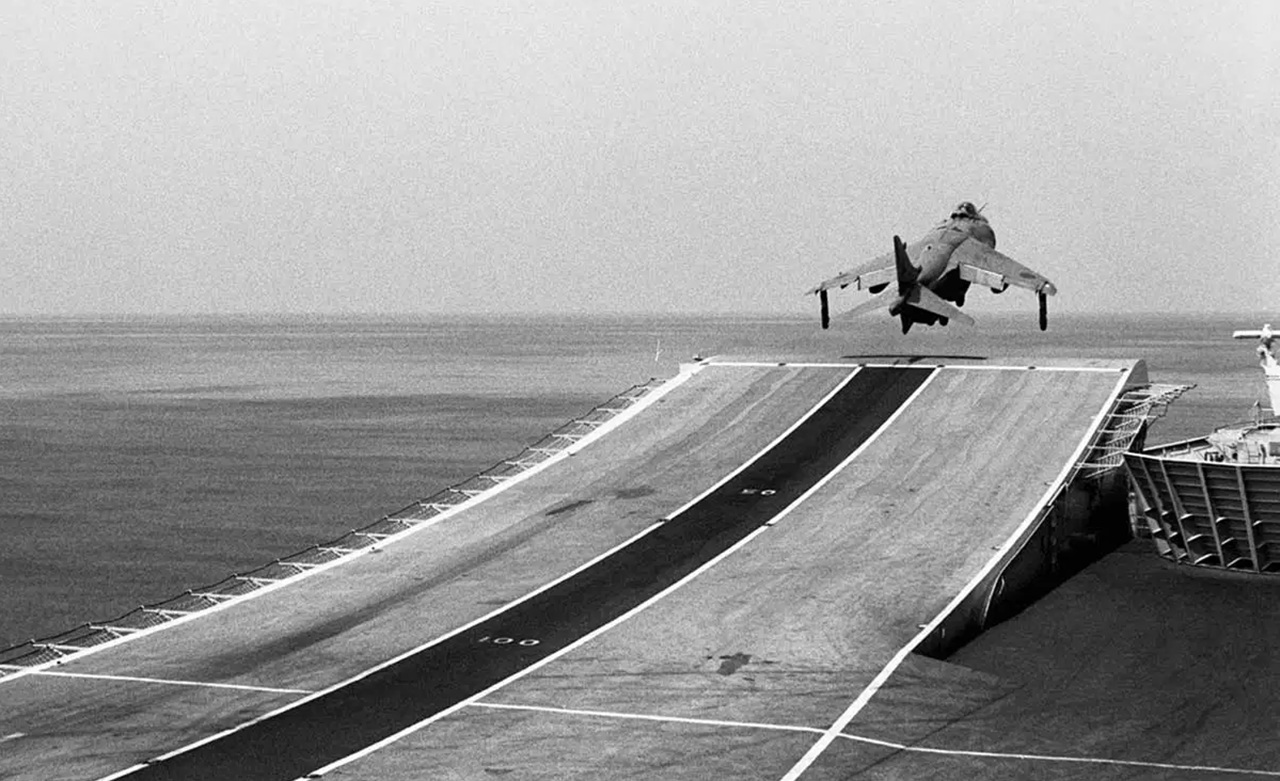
[140,457]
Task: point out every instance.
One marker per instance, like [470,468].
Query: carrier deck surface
[716,585]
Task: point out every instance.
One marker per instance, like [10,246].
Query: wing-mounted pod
[1042,295]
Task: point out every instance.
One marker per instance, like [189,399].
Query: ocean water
[140,457]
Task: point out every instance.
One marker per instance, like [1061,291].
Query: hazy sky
[718,155]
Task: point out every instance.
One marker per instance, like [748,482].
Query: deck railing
[1133,410]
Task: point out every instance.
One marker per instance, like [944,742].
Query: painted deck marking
[1081,760]
[936,363]
[904,747]
[343,724]
[169,682]
[604,714]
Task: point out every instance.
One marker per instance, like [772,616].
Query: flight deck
[731,578]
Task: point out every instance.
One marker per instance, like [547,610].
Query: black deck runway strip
[323,730]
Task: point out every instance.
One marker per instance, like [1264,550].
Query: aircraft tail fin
[922,297]
[908,293]
[907,273]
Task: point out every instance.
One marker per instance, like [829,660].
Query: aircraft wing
[1265,333]
[982,264]
[873,273]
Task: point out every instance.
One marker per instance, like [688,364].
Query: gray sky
[699,155]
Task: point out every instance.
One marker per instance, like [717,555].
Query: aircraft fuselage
[932,255]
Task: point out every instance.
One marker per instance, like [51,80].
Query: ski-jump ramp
[714,583]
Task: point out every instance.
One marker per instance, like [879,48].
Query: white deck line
[874,741]
[656,718]
[645,401]
[415,727]
[660,595]
[170,682]
[923,365]
[838,726]
[1083,760]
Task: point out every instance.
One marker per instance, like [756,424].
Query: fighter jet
[922,277]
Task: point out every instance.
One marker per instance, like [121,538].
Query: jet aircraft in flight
[916,281]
